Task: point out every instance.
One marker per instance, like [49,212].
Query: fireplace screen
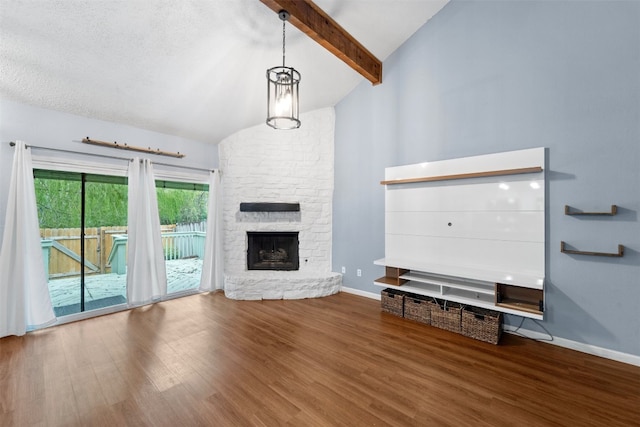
[272,250]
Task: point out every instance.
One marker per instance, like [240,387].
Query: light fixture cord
[283,41]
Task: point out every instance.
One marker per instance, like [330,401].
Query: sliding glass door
[183,214]
[105,216]
[83,226]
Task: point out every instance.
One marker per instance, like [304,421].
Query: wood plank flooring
[205,360]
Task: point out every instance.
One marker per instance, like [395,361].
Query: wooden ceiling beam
[314,22]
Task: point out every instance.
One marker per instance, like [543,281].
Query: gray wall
[53,129]
[491,76]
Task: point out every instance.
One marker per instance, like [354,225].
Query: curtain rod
[128,159]
[59,150]
[183,167]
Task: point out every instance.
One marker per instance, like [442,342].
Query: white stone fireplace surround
[264,165]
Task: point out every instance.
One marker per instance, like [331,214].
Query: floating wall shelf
[609,254]
[534,169]
[568,211]
[269,207]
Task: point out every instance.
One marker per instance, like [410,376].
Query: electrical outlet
[344,269]
[359,273]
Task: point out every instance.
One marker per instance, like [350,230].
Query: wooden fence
[176,245]
[193,226]
[61,247]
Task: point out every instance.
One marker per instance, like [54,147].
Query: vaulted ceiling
[194,68]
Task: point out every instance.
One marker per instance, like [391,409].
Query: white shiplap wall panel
[498,256]
[495,225]
[505,193]
[498,223]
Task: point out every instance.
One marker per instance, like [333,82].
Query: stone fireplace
[272,250]
[279,182]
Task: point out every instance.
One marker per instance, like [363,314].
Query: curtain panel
[25,303]
[213,262]
[146,272]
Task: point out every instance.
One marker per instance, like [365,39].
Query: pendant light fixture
[282,91]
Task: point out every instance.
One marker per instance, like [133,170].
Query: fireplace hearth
[272,250]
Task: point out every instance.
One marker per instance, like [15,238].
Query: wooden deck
[205,360]
[182,274]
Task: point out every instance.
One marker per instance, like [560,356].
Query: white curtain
[146,273]
[213,262]
[25,302]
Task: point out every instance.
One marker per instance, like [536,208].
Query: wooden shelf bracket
[568,211]
[609,254]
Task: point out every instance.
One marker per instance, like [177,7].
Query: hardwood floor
[334,361]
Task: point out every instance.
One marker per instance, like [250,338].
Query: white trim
[118,168]
[88,314]
[163,174]
[358,292]
[618,356]
[575,345]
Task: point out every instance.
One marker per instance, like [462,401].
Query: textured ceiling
[189,68]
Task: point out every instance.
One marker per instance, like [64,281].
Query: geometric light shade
[282,98]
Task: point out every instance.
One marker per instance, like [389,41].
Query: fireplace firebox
[272,250]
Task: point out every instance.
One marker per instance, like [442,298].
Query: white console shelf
[469,230]
[465,290]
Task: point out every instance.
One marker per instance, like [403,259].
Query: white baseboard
[360,293]
[578,346]
[560,342]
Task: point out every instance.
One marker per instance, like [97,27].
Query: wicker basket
[482,324]
[392,301]
[416,307]
[445,315]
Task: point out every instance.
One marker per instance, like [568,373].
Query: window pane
[183,214]
[58,204]
[59,197]
[105,243]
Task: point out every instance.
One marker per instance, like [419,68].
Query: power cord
[522,319]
